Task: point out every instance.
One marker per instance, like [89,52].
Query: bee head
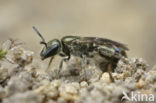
[51,48]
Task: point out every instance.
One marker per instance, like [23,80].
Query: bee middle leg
[61,64]
[84,63]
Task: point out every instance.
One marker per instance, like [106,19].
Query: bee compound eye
[51,52]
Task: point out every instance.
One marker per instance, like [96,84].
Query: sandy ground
[25,79]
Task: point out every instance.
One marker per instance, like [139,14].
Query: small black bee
[84,47]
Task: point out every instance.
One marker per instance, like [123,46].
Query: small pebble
[83,84]
[106,77]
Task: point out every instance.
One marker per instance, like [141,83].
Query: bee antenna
[43,40]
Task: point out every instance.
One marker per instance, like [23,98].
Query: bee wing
[106,42]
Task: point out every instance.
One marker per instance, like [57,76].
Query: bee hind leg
[110,69]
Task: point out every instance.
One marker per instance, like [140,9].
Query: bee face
[51,49]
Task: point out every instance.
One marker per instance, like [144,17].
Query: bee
[83,47]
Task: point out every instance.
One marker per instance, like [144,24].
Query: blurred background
[128,21]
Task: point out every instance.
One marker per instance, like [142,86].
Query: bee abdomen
[110,53]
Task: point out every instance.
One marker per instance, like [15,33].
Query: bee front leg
[51,59]
[61,64]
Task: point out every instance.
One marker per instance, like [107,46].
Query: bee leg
[83,63]
[109,68]
[51,59]
[61,64]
